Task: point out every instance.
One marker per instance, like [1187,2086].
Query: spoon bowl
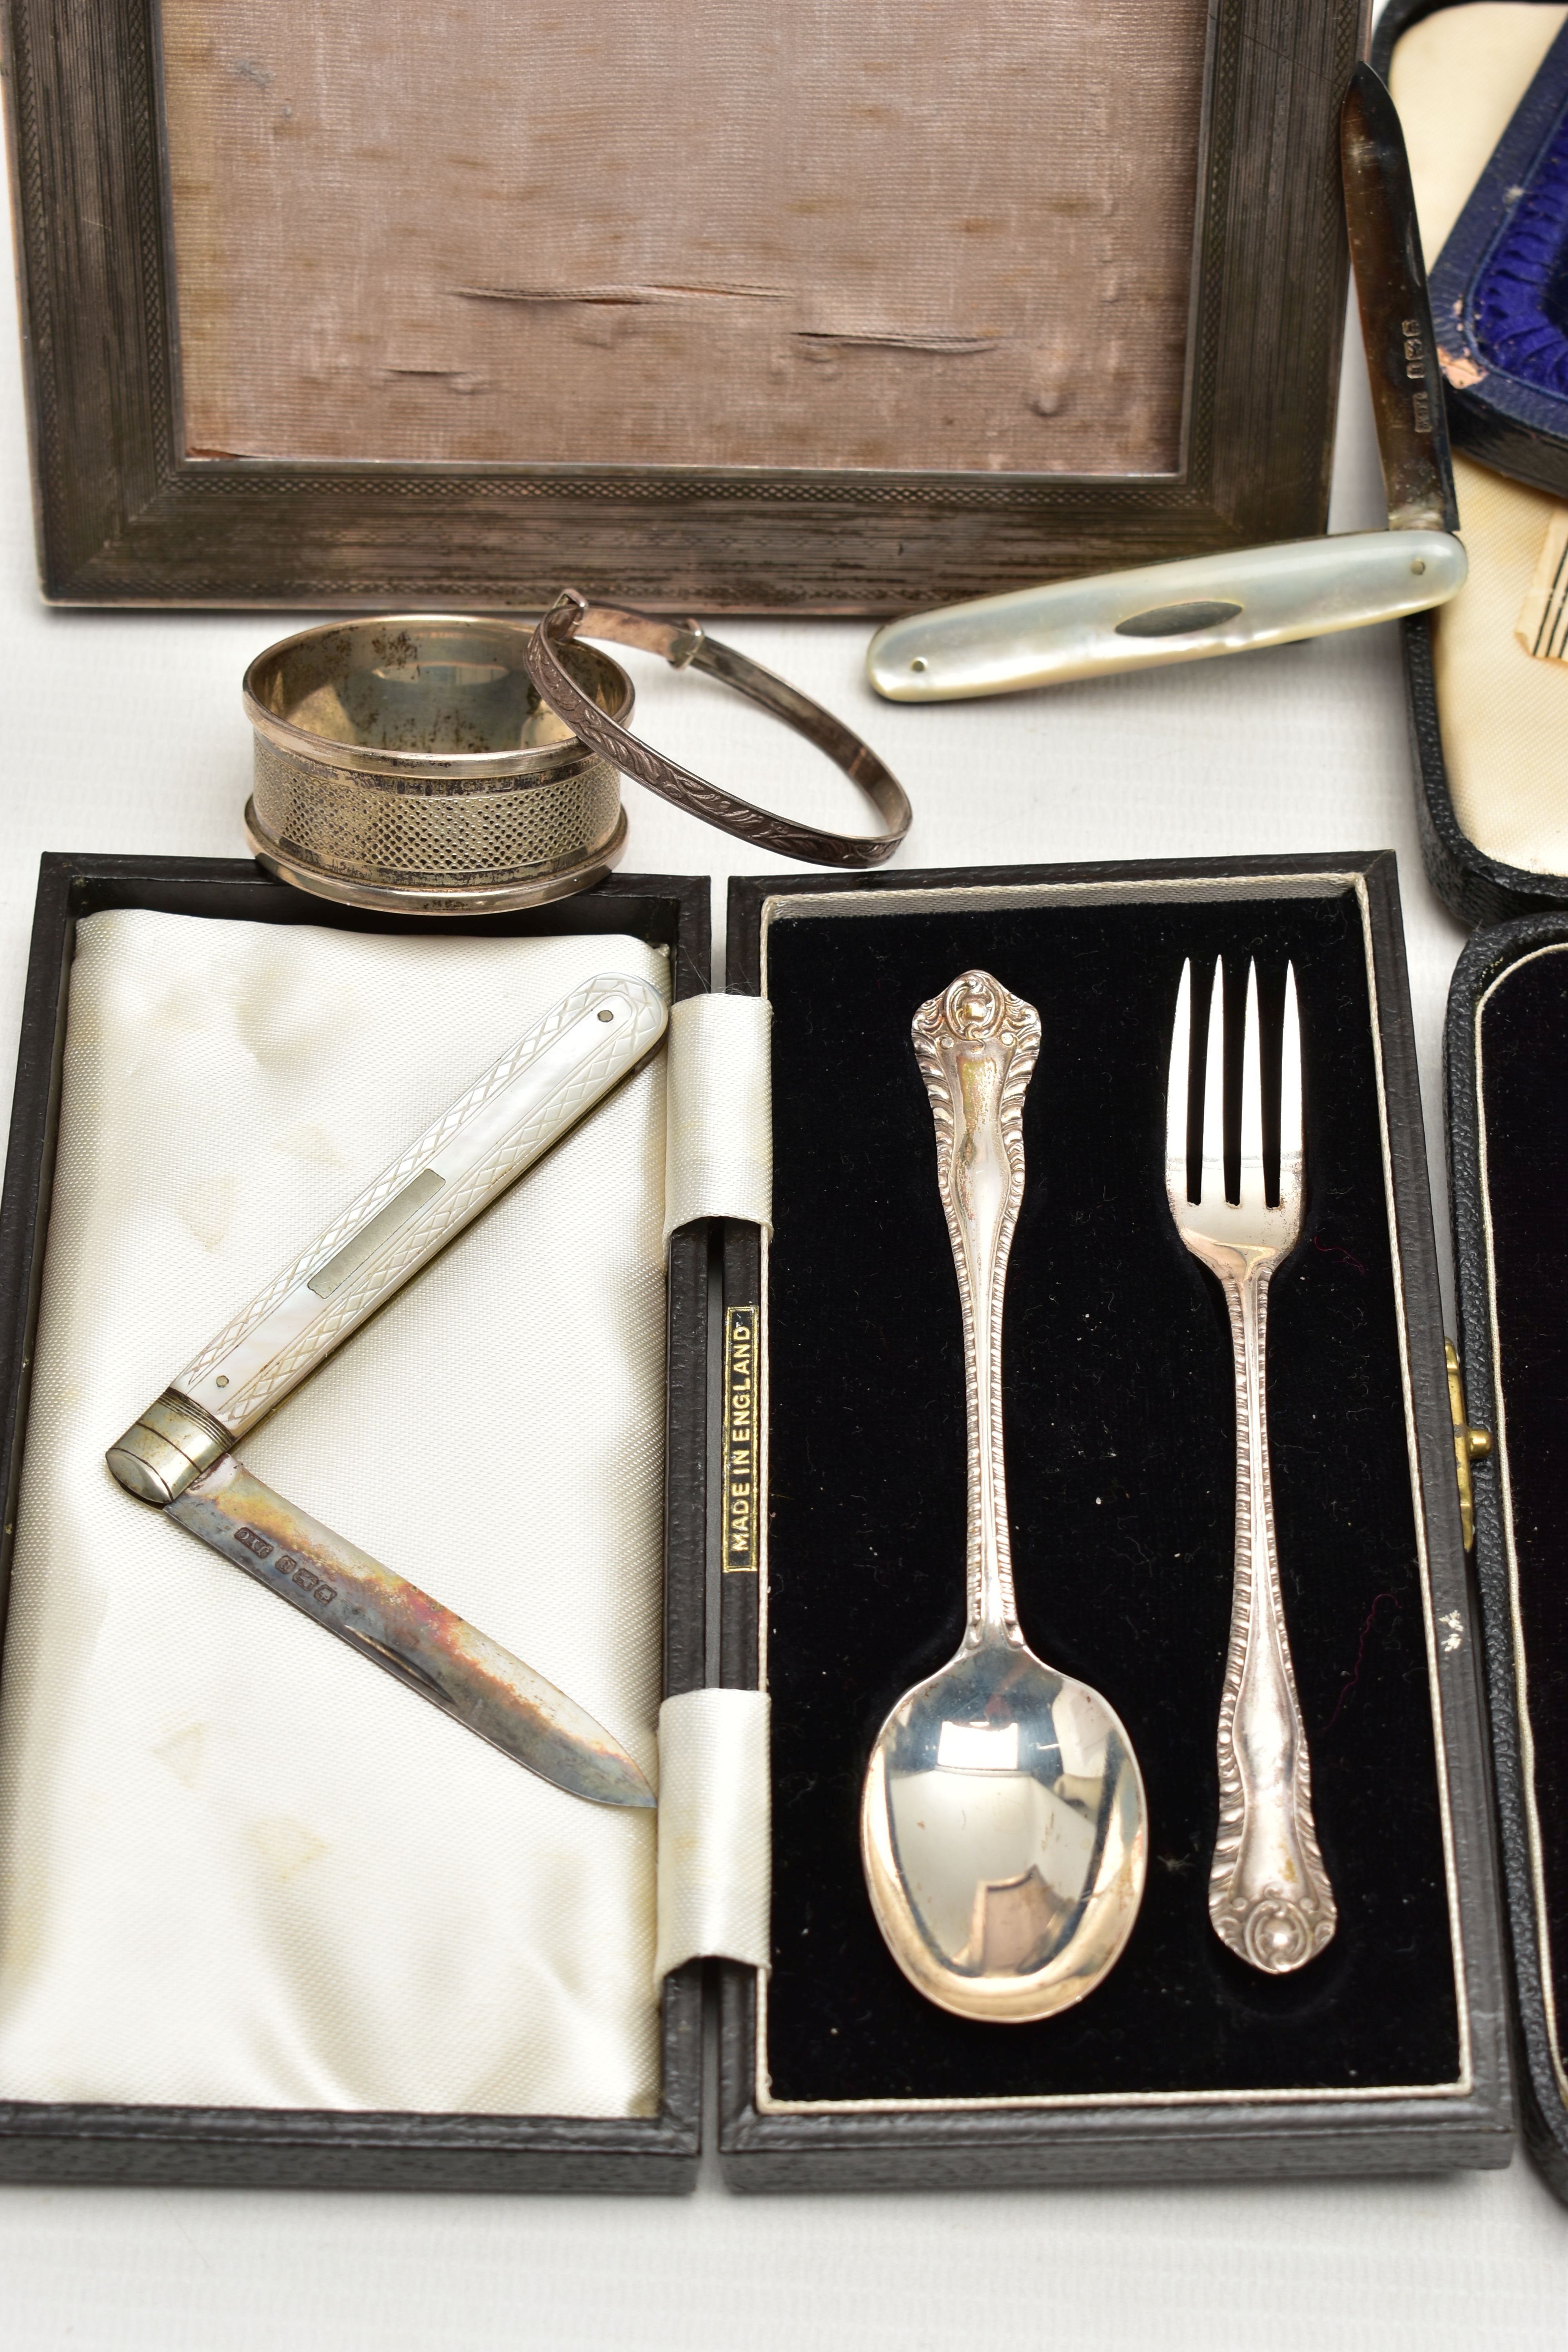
[1002,1832]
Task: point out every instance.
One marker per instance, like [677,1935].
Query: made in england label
[738,1535]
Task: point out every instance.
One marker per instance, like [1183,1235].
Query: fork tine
[1250,1189]
[1214,1094]
[1291,1099]
[1178,1091]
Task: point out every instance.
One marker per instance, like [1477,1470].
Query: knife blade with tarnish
[178,1455]
[1209,604]
[1396,310]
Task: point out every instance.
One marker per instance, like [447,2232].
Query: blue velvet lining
[1521,301]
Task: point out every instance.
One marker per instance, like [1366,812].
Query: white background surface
[123,731]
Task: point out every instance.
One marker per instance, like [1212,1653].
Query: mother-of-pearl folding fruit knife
[1208,605]
[178,1454]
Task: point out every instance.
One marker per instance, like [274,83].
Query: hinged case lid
[1486,677]
[1508,1138]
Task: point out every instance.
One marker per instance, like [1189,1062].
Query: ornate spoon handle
[976,1047]
[1269,1896]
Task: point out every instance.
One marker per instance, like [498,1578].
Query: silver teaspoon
[1003,1825]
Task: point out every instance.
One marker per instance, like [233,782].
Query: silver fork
[1269,1896]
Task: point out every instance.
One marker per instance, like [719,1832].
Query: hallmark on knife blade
[287,1565]
[306,1580]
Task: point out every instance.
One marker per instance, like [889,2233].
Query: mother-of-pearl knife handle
[1189,611]
[540,1087]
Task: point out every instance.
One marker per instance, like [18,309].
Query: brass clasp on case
[1470,1444]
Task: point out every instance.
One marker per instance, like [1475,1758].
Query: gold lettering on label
[738,1532]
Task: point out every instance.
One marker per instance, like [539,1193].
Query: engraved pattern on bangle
[686,647]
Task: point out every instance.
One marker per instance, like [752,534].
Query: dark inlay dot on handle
[1176,620]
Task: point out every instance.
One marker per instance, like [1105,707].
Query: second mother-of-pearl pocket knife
[178,1455]
[1208,605]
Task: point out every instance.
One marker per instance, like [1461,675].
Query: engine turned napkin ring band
[408,762]
[685,645]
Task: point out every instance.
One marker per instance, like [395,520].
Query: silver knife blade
[1396,310]
[402,1630]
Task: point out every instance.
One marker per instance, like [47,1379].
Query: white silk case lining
[239,1868]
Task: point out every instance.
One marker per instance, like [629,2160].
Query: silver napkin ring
[408,762]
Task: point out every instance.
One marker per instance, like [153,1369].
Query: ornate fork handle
[1269,1896]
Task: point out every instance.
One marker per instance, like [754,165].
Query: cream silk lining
[1457,79]
[238,1866]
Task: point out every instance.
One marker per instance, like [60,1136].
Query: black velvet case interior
[1523,1083]
[1120,1426]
